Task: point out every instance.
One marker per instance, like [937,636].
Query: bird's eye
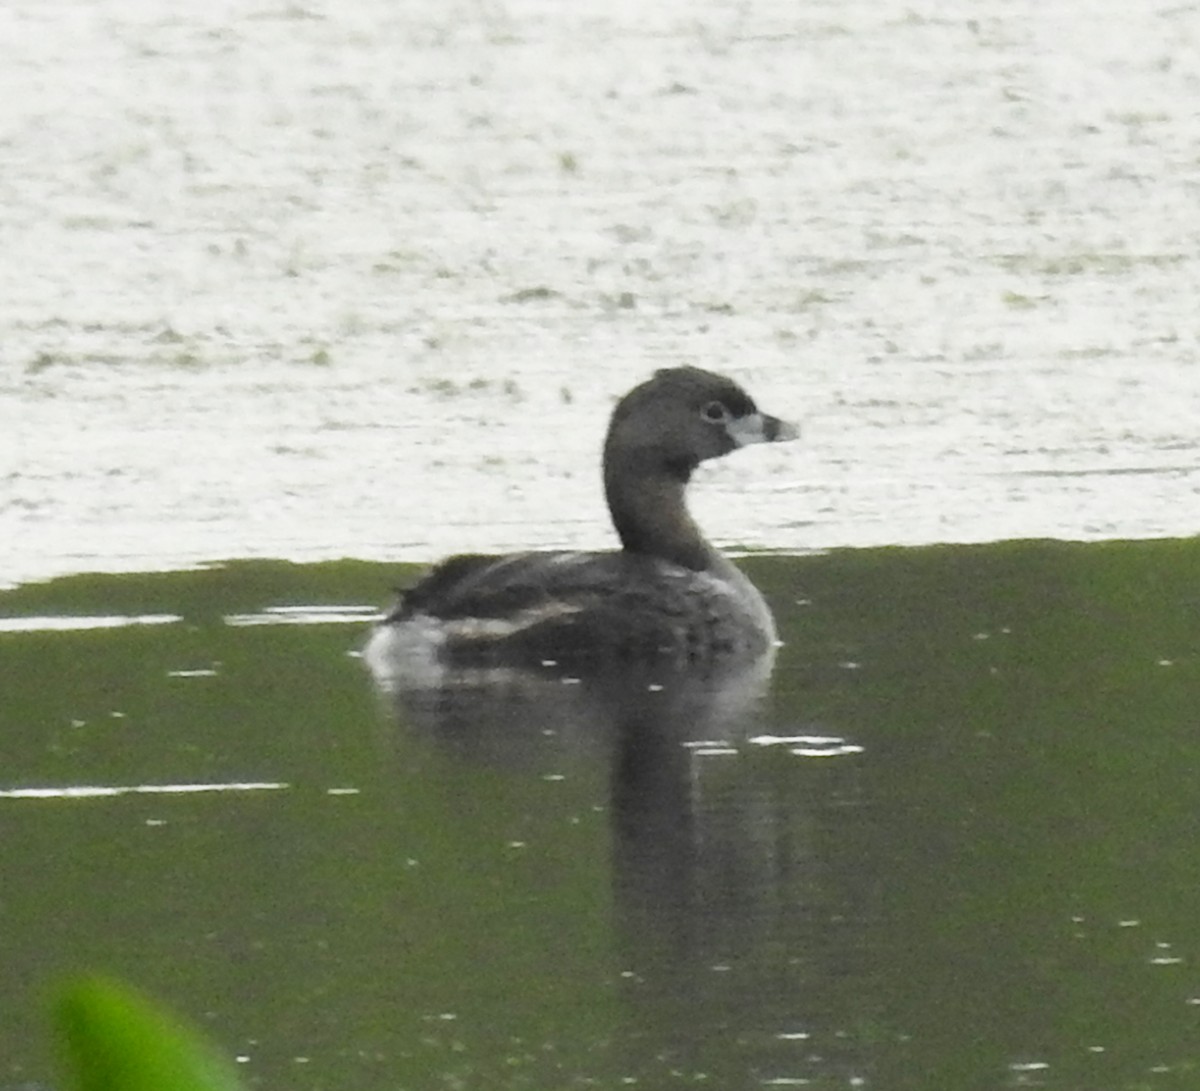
[715,412]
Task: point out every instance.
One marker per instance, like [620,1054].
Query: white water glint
[104,791]
[70,623]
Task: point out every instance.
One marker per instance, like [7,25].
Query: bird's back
[567,606]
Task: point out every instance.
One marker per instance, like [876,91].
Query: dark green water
[986,876]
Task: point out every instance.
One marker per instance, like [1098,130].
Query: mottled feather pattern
[563,604]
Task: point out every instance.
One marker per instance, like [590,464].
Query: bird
[666,595]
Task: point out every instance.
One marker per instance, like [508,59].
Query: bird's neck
[649,511]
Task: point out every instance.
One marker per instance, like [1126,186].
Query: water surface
[363,280]
[305,282]
[953,844]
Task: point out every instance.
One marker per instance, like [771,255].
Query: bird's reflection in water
[740,919]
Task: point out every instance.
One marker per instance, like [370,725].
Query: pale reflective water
[363,279]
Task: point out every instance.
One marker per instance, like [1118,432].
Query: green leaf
[116,1039]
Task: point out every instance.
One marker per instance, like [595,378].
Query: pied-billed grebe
[666,593]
